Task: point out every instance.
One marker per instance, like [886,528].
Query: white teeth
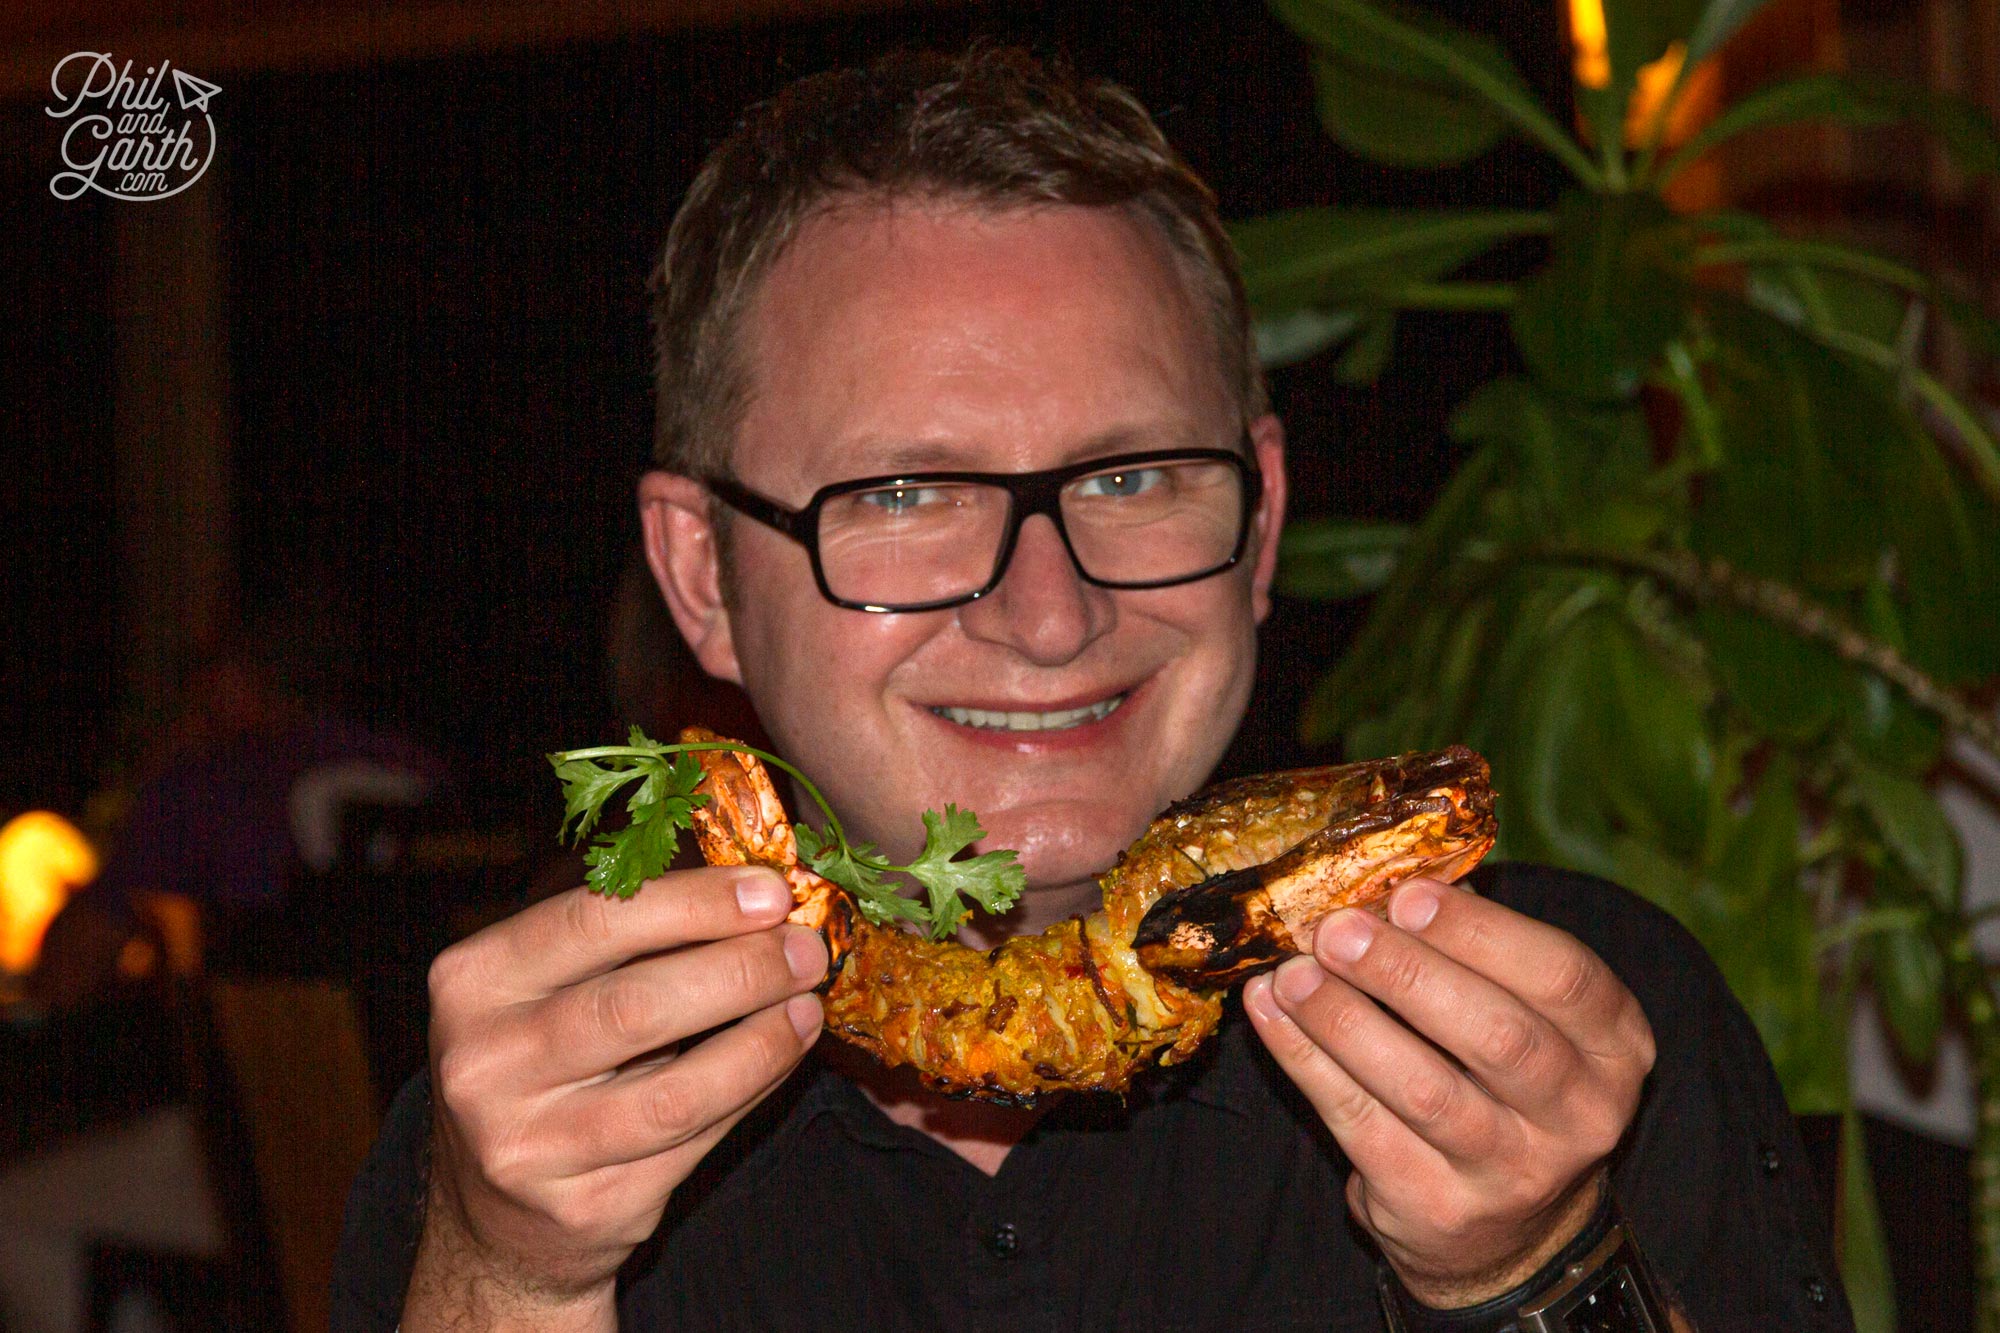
[1069,717]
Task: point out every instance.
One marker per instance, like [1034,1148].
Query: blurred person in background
[242,795]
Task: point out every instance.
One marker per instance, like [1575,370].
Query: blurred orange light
[43,857]
[1590,43]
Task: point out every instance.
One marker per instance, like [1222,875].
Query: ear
[1267,440]
[682,552]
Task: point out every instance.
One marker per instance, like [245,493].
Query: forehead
[948,333]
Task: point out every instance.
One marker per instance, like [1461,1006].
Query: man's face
[930,336]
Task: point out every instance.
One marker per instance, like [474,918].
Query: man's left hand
[1478,1125]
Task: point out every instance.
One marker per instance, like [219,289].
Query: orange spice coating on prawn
[1074,1008]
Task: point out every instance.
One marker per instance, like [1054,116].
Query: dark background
[438,354]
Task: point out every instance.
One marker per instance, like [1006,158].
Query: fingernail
[1415,905]
[803,1011]
[804,954]
[1296,979]
[1257,998]
[1344,936]
[762,893]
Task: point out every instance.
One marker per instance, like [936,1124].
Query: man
[977,266]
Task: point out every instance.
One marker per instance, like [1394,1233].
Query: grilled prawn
[1220,886]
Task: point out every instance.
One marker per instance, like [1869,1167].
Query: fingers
[1383,1091]
[1515,1053]
[690,1101]
[580,934]
[1475,1065]
[1549,970]
[1367,1131]
[1571,1051]
[603,1022]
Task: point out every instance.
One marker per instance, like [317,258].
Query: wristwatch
[1598,1283]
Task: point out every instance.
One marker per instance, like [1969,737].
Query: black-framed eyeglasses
[923,541]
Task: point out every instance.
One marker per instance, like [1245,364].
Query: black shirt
[1212,1199]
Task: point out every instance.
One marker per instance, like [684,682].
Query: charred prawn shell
[1429,813]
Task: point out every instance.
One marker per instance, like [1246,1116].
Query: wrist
[1559,1226]
[1597,1280]
[459,1283]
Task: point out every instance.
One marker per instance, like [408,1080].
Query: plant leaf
[1288,338]
[1913,828]
[1365,357]
[1787,686]
[1327,259]
[1658,765]
[1402,121]
[1640,31]
[1332,559]
[1422,48]
[994,880]
[1718,23]
[1965,131]
[1809,435]
[1864,1251]
[1350,691]
[1882,723]
[1909,983]
[1615,291]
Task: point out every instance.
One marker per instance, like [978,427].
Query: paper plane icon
[194,93]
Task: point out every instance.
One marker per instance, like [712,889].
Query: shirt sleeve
[378,1240]
[1712,1175]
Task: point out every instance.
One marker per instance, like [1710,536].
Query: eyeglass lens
[908,545]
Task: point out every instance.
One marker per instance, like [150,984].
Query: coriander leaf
[662,804]
[859,870]
[586,787]
[994,880]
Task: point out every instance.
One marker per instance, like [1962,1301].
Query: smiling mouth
[987,720]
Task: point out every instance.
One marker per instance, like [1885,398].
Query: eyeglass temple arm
[752,505]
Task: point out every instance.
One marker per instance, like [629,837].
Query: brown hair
[992,126]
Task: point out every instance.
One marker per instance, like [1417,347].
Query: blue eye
[902,499]
[1121,485]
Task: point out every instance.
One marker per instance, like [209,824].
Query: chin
[1067,845]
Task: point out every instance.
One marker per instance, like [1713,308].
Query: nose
[1042,609]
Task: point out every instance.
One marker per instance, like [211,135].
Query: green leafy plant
[663,804]
[1716,569]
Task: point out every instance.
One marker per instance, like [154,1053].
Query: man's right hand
[563,1114]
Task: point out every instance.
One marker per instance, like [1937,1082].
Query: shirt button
[1002,1241]
[1816,1292]
[1767,1157]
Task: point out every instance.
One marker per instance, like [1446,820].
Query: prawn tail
[743,822]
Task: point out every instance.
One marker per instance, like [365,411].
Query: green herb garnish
[665,800]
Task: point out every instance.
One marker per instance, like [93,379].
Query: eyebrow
[947,456]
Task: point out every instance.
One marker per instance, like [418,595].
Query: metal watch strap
[1598,1283]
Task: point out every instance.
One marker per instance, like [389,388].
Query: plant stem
[1715,579]
[1968,979]
[686,747]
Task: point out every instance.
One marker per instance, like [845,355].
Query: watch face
[1611,1306]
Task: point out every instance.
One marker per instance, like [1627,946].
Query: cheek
[1219,627]
[816,672]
